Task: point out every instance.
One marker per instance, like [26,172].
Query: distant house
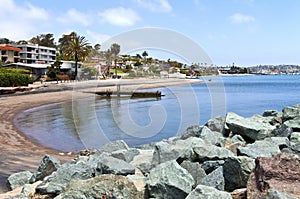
[35,54]
[9,53]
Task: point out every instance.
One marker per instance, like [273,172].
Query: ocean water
[92,122]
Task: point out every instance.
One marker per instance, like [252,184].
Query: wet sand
[18,153]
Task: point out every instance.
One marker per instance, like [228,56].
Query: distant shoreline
[18,152]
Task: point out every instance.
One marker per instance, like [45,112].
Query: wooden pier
[134,94]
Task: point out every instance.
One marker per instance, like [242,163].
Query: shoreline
[18,151]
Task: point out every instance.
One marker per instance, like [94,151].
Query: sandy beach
[18,153]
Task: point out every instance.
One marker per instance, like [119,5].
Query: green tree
[77,49]
[145,54]
[90,71]
[44,40]
[54,69]
[115,50]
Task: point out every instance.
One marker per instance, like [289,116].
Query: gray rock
[105,186]
[47,166]
[182,149]
[205,192]
[212,137]
[283,131]
[275,194]
[210,166]
[194,168]
[267,147]
[18,179]
[236,172]
[290,112]
[18,196]
[113,146]
[192,131]
[111,165]
[272,113]
[216,124]
[293,124]
[253,128]
[169,180]
[143,160]
[126,155]
[211,152]
[295,138]
[57,181]
[215,179]
[237,138]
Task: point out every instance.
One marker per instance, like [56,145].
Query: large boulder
[111,165]
[194,168]
[169,180]
[236,172]
[183,149]
[295,138]
[215,179]
[143,160]
[126,155]
[290,112]
[294,124]
[253,128]
[281,173]
[209,136]
[113,146]
[47,166]
[211,152]
[104,186]
[192,131]
[57,181]
[206,192]
[18,179]
[267,147]
[216,124]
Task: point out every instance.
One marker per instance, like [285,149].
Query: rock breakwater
[231,157]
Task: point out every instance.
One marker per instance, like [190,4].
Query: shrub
[16,79]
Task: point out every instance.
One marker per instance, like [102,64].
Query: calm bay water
[92,122]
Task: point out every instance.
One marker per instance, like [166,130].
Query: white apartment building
[35,54]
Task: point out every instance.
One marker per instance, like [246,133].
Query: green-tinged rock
[194,168]
[18,179]
[215,179]
[47,166]
[290,112]
[57,181]
[192,131]
[113,146]
[236,172]
[253,128]
[183,149]
[293,123]
[267,147]
[169,180]
[211,152]
[212,137]
[143,160]
[205,192]
[110,165]
[295,138]
[126,155]
[107,186]
[216,124]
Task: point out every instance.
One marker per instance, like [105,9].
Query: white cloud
[74,16]
[120,16]
[239,18]
[19,22]
[155,5]
[96,37]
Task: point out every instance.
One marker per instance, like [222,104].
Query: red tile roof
[11,48]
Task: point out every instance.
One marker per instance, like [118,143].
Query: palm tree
[145,54]
[115,50]
[78,48]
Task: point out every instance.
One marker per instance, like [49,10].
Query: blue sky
[246,32]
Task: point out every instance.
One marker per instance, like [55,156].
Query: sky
[243,32]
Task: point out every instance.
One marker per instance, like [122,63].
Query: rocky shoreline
[231,157]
